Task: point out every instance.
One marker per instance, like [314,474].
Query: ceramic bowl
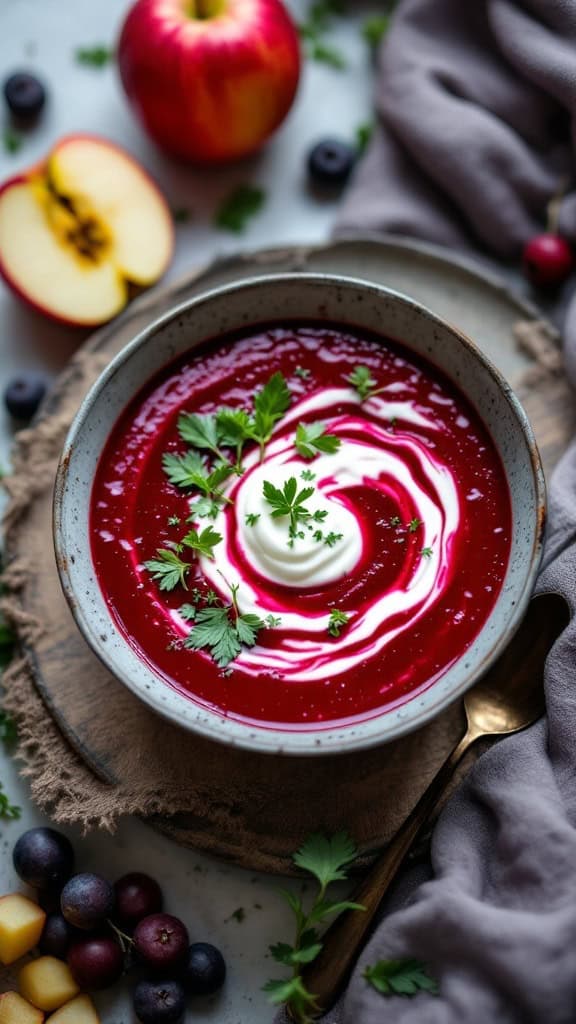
[273,299]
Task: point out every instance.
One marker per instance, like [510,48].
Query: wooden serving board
[252,809]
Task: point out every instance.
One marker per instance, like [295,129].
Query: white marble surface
[41,35]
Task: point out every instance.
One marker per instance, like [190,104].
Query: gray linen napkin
[476,99]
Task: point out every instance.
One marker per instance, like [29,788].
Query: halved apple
[81,230]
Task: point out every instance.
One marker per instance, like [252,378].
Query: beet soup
[301,525]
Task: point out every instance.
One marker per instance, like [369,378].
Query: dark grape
[25,95]
[330,162]
[205,969]
[87,900]
[96,962]
[137,896]
[43,858]
[24,394]
[57,935]
[159,1002]
[161,941]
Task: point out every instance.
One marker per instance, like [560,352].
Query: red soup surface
[360,548]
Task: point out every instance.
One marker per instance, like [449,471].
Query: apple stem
[203,9]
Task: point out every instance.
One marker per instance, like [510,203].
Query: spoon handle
[327,975]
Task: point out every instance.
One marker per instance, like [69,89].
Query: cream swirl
[403,467]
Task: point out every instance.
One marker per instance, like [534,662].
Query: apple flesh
[21,924]
[210,80]
[47,983]
[81,230]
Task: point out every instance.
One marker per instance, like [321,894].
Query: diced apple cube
[79,1011]
[15,1010]
[21,924]
[47,983]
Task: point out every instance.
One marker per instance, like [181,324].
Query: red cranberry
[547,260]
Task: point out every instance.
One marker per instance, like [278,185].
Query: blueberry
[87,901]
[24,394]
[330,162]
[25,95]
[43,858]
[57,936]
[205,969]
[159,1002]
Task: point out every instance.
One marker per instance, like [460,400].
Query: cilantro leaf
[400,977]
[427,552]
[188,612]
[168,569]
[289,502]
[242,204]
[290,991]
[326,908]
[183,470]
[288,955]
[362,380]
[205,508]
[247,627]
[312,439]
[233,426]
[94,56]
[337,620]
[270,404]
[252,518]
[326,858]
[414,524]
[204,543]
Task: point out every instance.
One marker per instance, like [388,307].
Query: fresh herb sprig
[312,439]
[404,977]
[8,811]
[169,570]
[319,20]
[327,860]
[223,629]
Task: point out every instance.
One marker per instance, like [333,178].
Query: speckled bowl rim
[379,728]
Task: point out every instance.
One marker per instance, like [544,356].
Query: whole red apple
[209,79]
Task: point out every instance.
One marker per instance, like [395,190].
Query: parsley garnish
[337,621]
[224,630]
[426,552]
[252,518]
[400,978]
[301,372]
[312,439]
[289,502]
[362,381]
[94,56]
[201,431]
[270,404]
[239,207]
[307,474]
[325,54]
[11,140]
[8,811]
[326,859]
[169,570]
[375,28]
[332,538]
[174,520]
[414,524]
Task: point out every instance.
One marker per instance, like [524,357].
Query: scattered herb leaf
[375,28]
[364,133]
[183,470]
[8,811]
[174,520]
[168,569]
[337,621]
[400,977]
[414,524]
[307,474]
[330,55]
[289,502]
[201,431]
[426,552]
[311,439]
[94,56]
[242,204]
[270,404]
[223,630]
[331,539]
[204,543]
[252,518]
[301,372]
[12,142]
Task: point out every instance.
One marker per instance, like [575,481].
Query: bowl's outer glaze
[345,301]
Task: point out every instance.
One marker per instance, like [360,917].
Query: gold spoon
[510,697]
